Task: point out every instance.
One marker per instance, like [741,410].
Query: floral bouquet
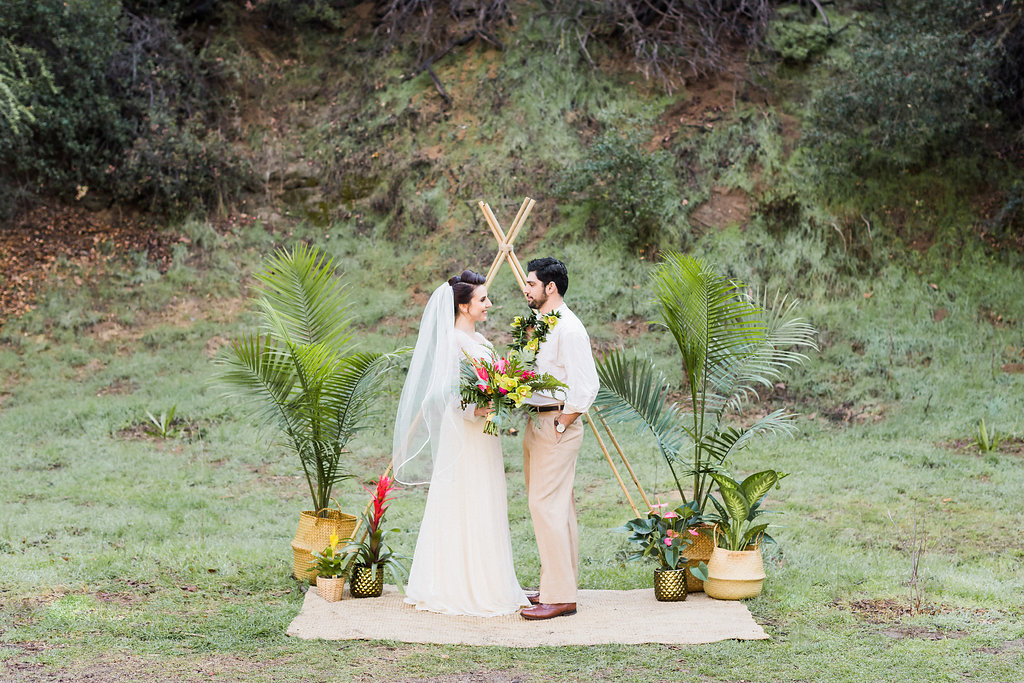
[504,383]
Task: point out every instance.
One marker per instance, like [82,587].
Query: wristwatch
[559,427]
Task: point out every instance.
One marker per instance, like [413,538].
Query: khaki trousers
[550,469]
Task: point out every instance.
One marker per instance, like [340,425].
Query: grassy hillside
[128,556]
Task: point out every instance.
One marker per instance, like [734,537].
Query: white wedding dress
[463,559]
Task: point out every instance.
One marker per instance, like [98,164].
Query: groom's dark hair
[550,270]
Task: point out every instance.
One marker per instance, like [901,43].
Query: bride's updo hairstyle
[463,287]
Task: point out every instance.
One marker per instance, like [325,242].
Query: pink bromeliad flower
[482,373]
[501,365]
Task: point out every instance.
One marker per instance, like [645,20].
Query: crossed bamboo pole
[507,253]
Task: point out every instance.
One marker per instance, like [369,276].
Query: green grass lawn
[124,556]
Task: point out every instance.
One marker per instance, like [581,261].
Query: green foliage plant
[162,426]
[664,536]
[729,343]
[736,515]
[330,563]
[300,371]
[986,441]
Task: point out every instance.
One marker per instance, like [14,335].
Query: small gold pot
[670,584]
[366,583]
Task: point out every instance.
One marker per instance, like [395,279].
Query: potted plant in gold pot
[666,536]
[736,568]
[371,558]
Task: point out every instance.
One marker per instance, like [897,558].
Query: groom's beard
[537,303]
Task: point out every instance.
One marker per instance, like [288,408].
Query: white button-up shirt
[566,355]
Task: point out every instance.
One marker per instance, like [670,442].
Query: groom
[552,442]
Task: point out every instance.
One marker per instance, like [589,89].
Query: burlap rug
[604,617]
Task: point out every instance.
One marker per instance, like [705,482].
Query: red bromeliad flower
[380,499]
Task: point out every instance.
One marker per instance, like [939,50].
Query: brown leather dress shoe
[534,598]
[544,611]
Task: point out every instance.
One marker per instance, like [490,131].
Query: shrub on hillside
[668,41]
[916,85]
[629,191]
[101,82]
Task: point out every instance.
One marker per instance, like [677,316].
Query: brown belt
[546,409]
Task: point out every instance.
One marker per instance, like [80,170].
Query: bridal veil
[429,406]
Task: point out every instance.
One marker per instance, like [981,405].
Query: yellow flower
[334,542]
[517,322]
[551,320]
[533,345]
[508,383]
[524,391]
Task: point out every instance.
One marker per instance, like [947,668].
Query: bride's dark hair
[463,287]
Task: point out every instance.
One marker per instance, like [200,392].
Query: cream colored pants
[550,469]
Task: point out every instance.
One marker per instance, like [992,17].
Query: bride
[463,558]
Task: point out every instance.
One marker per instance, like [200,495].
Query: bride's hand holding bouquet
[503,383]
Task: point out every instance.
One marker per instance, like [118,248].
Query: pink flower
[501,365]
[671,514]
[482,373]
[502,391]
[655,508]
[668,541]
[694,532]
[481,387]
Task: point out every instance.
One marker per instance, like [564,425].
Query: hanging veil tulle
[428,410]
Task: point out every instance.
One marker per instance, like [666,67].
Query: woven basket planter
[330,589]
[735,574]
[314,534]
[699,551]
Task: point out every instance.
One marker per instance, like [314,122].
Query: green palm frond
[257,372]
[353,391]
[710,322]
[766,361]
[301,299]
[301,373]
[722,444]
[633,390]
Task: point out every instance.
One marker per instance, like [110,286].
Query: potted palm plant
[729,344]
[736,568]
[371,557]
[300,372]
